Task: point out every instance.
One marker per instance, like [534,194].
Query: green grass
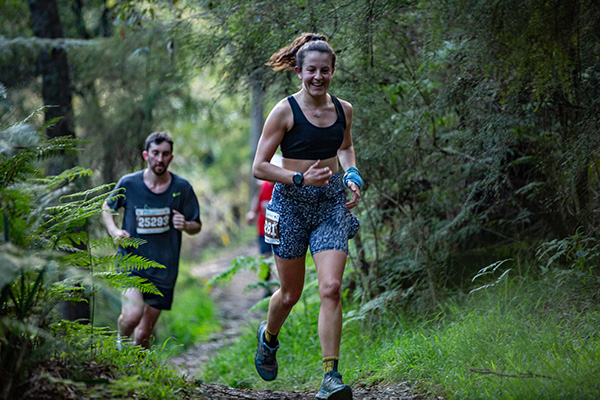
[534,338]
[522,341]
[192,318]
[529,337]
[299,355]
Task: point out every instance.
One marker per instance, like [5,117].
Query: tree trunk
[257,112]
[54,68]
[56,92]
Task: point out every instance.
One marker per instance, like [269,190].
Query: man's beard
[159,169]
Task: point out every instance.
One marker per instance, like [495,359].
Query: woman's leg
[291,277]
[330,266]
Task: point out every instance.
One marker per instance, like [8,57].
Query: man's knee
[142,334]
[131,316]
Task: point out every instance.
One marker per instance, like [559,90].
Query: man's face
[158,157]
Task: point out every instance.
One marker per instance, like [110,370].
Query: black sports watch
[298,178]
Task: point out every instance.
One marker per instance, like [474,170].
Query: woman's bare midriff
[303,165]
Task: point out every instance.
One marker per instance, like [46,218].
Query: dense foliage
[475,126]
[47,257]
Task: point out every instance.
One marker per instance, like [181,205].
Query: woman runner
[308,207]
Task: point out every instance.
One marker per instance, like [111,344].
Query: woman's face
[316,73]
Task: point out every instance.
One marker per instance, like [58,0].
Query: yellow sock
[330,364]
[271,338]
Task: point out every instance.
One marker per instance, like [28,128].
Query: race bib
[152,220]
[272,227]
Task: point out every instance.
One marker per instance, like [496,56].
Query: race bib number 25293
[152,220]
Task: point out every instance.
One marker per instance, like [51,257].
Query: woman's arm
[346,154]
[278,122]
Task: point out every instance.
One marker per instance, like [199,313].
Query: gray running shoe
[332,388]
[265,361]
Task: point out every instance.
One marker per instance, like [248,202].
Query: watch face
[298,178]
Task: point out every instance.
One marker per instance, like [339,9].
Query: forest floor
[234,305]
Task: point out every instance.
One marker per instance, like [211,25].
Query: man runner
[158,205]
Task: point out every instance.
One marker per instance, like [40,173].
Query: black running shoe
[332,388]
[265,361]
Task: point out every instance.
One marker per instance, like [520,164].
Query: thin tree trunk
[54,69]
[257,112]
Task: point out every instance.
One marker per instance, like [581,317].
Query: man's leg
[143,331]
[132,310]
[137,318]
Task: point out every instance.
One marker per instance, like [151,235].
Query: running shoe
[265,361]
[332,388]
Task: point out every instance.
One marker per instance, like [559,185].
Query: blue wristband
[352,175]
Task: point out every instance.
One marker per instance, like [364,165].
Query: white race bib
[271,227]
[152,220]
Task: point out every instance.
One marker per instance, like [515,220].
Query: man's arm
[109,222]
[254,206]
[189,227]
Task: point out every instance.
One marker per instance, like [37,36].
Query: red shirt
[266,191]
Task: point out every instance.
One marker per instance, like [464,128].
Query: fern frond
[95,194]
[131,261]
[65,177]
[131,242]
[490,269]
[491,284]
[78,238]
[119,280]
[80,259]
[102,243]
[256,264]
[75,278]
[56,147]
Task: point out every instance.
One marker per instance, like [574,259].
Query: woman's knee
[289,298]
[330,290]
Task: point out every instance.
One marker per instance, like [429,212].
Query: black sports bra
[306,141]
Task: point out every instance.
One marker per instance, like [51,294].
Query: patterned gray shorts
[312,216]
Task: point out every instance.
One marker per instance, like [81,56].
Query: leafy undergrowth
[90,366]
[521,338]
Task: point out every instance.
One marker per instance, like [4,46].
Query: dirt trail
[234,305]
